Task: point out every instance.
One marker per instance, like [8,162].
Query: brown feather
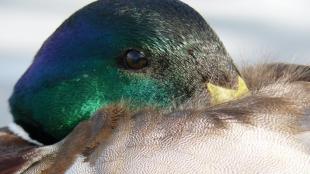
[12,152]
[258,76]
[86,137]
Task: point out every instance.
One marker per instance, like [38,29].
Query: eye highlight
[134,59]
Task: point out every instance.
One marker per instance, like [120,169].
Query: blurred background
[252,30]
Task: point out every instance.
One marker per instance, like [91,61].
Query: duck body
[259,133]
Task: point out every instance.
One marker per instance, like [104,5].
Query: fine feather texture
[12,149]
[258,76]
[257,133]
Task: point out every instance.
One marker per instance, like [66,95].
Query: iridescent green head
[143,52]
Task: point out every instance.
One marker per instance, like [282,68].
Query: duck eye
[135,59]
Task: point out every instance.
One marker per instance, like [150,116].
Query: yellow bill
[221,95]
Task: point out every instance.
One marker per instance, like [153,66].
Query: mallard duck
[147,87]
[144,53]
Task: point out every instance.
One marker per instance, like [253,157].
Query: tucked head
[143,52]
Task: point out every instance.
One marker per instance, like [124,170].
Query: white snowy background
[252,30]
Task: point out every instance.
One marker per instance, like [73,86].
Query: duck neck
[21,133]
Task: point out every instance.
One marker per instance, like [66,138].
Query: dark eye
[135,59]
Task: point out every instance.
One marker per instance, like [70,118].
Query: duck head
[144,53]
